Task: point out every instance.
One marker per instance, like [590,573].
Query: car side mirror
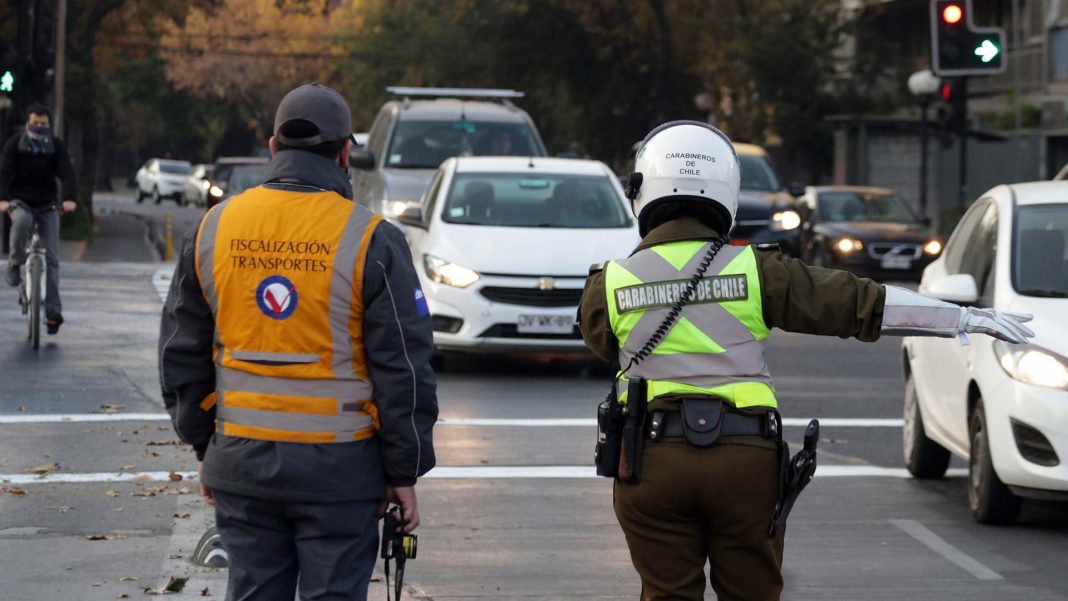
[959,288]
[412,215]
[796,189]
[362,159]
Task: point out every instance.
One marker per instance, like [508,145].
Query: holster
[609,435]
[633,434]
[796,472]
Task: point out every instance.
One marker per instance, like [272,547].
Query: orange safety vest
[283,274]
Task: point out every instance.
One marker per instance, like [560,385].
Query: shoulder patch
[598,267]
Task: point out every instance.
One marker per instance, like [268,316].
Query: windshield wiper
[1045,292]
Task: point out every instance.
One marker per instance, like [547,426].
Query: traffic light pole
[962,140]
[923,157]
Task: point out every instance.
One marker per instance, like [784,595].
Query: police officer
[711,466]
[294,356]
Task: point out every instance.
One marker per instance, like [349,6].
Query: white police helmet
[686,161]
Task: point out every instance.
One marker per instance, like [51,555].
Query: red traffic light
[952,14]
[946,91]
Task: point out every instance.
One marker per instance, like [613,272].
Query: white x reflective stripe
[295,422]
[281,358]
[342,390]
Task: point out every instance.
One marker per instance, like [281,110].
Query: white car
[163,178]
[1002,407]
[197,185]
[503,245]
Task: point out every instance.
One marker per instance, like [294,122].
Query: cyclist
[30,163]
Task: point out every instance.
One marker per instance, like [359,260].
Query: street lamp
[924,85]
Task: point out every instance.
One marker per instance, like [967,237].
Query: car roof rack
[408,92]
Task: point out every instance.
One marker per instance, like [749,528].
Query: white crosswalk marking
[162,280]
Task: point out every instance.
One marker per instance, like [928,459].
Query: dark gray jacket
[398,340]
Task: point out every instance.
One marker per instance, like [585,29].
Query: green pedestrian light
[987,51]
[7,82]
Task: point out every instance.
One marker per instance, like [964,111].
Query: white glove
[907,313]
[999,324]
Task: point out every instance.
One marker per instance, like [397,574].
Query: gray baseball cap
[323,107]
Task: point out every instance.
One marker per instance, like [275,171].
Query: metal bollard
[168,238]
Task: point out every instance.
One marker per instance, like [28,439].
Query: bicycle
[32,289]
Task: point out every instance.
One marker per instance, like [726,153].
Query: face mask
[39,131]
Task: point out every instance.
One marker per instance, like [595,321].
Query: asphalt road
[513,511]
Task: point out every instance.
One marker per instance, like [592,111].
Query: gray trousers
[329,548]
[48,228]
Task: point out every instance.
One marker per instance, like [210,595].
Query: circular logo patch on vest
[277,297]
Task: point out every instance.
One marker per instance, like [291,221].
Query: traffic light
[960,48]
[952,112]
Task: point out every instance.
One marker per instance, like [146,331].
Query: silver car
[412,136]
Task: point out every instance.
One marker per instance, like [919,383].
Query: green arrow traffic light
[7,82]
[987,51]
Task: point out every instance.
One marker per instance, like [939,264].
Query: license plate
[545,324]
[897,262]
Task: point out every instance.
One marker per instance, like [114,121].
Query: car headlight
[848,245]
[450,274]
[933,247]
[206,185]
[1032,365]
[394,208]
[785,221]
[216,191]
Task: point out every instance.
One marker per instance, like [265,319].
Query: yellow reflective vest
[282,272]
[716,347]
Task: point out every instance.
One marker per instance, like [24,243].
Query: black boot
[54,322]
[14,275]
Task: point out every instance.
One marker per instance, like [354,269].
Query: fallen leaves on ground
[42,470]
[151,453]
[106,537]
[112,407]
[161,490]
[164,442]
[205,592]
[127,468]
[128,578]
[175,477]
[183,515]
[122,596]
[174,585]
[13,491]
[111,493]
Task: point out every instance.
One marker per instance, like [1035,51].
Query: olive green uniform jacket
[796,297]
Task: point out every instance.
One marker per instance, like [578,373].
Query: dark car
[871,232]
[766,209]
[231,175]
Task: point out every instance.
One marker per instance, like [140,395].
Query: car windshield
[757,174]
[534,200]
[1039,252]
[426,144]
[175,168]
[864,206]
[244,177]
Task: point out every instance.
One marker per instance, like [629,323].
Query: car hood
[406,184]
[1049,325]
[758,206]
[877,230]
[778,198]
[530,251]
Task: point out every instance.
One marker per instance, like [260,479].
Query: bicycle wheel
[35,271]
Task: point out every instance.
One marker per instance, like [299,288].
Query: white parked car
[503,246]
[197,185]
[1002,407]
[162,178]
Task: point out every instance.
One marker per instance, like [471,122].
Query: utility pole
[61,51]
[962,139]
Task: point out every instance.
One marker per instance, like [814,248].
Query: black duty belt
[667,425]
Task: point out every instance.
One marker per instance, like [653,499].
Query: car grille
[509,330]
[878,250]
[533,297]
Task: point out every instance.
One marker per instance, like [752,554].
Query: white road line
[24,418]
[162,280]
[939,545]
[840,422]
[473,472]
